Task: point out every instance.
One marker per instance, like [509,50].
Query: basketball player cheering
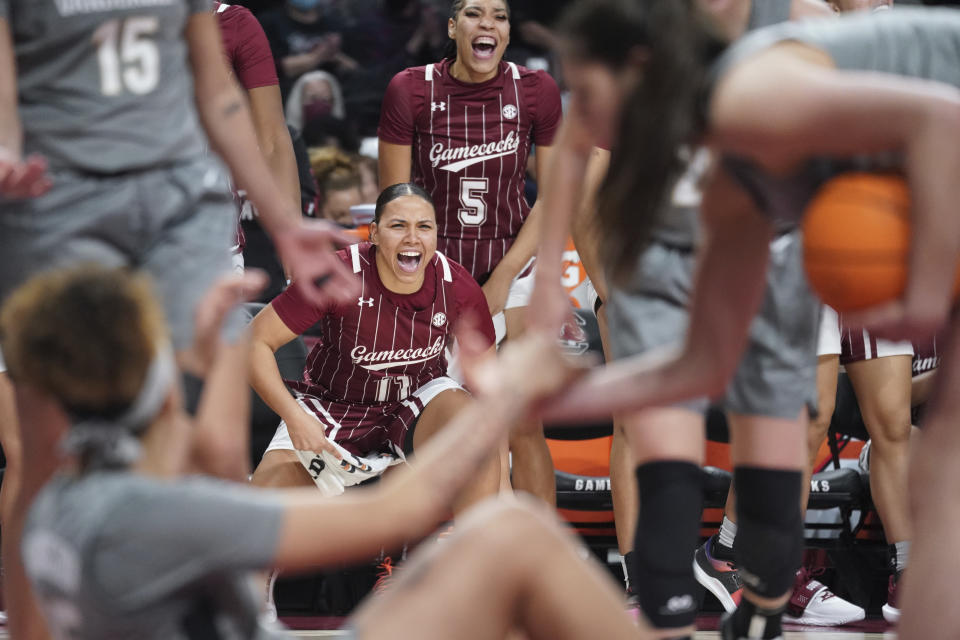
[774,101]
[375,385]
[120,490]
[102,158]
[462,129]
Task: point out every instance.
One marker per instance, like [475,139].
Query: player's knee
[671,493]
[769,541]
[503,525]
[890,429]
[279,468]
[817,427]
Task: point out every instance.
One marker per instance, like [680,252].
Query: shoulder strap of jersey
[429,72]
[447,274]
[514,70]
[355,257]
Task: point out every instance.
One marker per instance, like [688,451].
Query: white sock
[728,532]
[903,554]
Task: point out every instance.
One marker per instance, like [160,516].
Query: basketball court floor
[808,633]
[702,635]
[871,629]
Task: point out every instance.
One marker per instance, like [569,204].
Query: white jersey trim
[447,275]
[355,257]
[223,8]
[514,70]
[429,72]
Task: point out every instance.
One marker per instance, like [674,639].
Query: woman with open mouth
[462,129]
[375,386]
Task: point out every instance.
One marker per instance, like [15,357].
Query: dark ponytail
[658,117]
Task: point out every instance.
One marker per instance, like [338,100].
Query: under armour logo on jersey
[439,319]
[441,106]
[509,111]
[364,301]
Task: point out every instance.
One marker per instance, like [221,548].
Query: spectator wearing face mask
[305,35]
[314,95]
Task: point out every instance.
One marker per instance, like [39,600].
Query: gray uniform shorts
[776,376]
[176,223]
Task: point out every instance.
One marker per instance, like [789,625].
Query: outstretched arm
[729,285]
[408,503]
[789,104]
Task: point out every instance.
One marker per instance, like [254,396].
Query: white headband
[112,442]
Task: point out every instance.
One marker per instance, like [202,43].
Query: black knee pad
[769,542]
[668,530]
[192,390]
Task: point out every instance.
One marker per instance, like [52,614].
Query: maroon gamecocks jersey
[385,345]
[470,144]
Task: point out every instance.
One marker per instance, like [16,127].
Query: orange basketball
[856,235]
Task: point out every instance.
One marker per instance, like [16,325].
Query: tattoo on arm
[232,108]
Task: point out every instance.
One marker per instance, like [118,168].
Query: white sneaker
[813,603]
[891,611]
[269,613]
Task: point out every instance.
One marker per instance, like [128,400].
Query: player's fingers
[332,450]
[40,187]
[325,232]
[225,294]
[24,179]
[244,287]
[338,284]
[31,172]
[8,173]
[470,338]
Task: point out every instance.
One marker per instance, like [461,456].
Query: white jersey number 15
[128,56]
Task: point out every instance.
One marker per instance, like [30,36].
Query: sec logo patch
[439,319]
[509,111]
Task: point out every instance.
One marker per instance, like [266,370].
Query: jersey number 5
[127,56]
[474,211]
